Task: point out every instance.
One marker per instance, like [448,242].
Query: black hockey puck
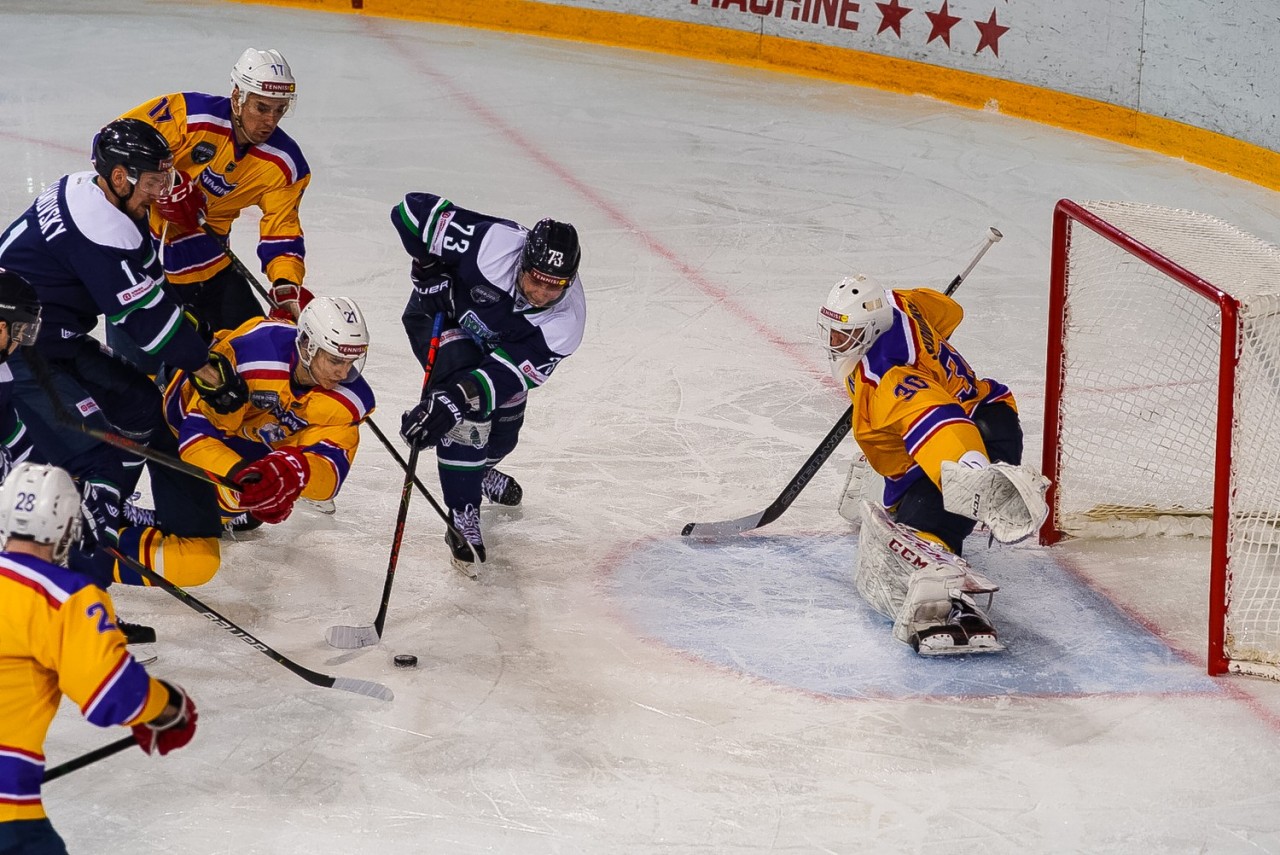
[405,660]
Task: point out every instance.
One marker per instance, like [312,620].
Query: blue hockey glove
[100,507]
[437,414]
[433,290]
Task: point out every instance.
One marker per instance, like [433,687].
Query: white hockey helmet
[40,503]
[856,313]
[336,326]
[265,73]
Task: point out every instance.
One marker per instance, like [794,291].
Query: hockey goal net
[1162,411]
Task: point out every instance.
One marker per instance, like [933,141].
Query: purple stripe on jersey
[20,777]
[273,248]
[121,695]
[267,343]
[896,346]
[999,392]
[191,254]
[334,455]
[930,422]
[896,488]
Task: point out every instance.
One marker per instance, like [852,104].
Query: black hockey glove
[433,290]
[100,507]
[229,394]
[438,413]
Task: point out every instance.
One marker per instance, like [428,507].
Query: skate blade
[466,568]
[143,654]
[970,649]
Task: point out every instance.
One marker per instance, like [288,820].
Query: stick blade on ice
[351,637]
[368,688]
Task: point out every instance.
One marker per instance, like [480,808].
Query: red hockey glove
[184,206]
[270,486]
[288,300]
[166,733]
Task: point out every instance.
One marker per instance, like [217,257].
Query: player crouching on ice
[298,434]
[949,448]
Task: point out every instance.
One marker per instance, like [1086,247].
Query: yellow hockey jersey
[58,636]
[913,394]
[271,176]
[280,412]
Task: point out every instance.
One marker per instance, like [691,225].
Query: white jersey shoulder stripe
[95,217]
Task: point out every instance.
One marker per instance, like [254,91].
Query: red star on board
[942,21]
[991,33]
[891,15]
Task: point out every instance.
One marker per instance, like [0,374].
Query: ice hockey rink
[604,686]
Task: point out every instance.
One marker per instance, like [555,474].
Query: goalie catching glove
[1008,499]
[270,485]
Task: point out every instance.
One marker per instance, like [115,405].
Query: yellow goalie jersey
[58,637]
[913,394]
[280,412]
[271,176]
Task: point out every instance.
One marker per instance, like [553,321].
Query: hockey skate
[239,524]
[467,522]
[501,489]
[142,517]
[323,506]
[139,639]
[964,630]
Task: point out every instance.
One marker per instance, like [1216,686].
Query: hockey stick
[351,637]
[315,678]
[40,369]
[377,431]
[88,758]
[822,452]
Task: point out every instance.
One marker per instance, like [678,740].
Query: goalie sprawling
[947,446]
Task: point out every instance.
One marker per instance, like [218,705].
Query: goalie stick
[377,431]
[824,450]
[367,688]
[352,637]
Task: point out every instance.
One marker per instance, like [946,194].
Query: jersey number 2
[99,611]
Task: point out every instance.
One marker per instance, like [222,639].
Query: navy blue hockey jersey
[86,259]
[481,254]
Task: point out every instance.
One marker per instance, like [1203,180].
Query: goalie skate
[966,631]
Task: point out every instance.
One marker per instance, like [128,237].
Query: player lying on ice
[297,435]
[949,448]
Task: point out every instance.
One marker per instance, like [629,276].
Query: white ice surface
[717,206]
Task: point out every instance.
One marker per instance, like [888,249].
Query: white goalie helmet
[336,326]
[856,313]
[265,73]
[40,503]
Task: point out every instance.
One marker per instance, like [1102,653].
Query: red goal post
[1162,411]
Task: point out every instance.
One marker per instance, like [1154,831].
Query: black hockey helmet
[552,253]
[20,307]
[133,144]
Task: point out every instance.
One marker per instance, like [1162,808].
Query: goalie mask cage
[1162,411]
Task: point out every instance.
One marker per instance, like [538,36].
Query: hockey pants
[921,506]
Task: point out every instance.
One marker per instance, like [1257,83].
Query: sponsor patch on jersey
[87,407]
[534,373]
[470,324]
[137,292]
[203,152]
[264,400]
[215,183]
[437,238]
[483,295]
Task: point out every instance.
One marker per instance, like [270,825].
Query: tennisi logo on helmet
[835,316]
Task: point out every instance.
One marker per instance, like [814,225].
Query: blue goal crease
[784,609]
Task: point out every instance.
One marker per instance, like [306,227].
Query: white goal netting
[1169,399]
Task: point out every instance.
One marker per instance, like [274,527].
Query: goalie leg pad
[890,553]
[1008,499]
